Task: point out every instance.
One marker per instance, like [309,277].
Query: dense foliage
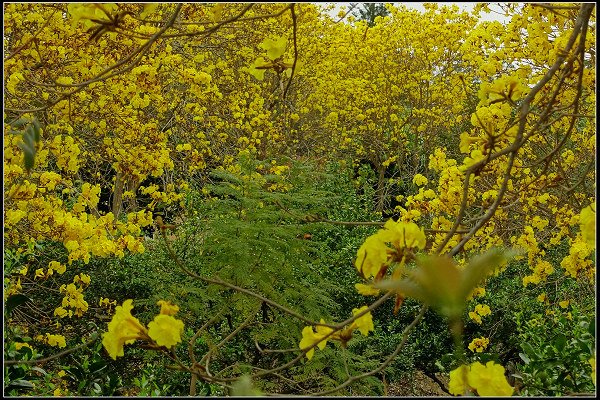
[194,192]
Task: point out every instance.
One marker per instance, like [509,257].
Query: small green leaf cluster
[555,355]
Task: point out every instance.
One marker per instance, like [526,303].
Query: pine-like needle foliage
[248,227]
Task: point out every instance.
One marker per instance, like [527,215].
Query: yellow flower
[420,180]
[83,278]
[587,224]
[61,312]
[366,290]
[479,344]
[403,235]
[165,330]
[274,47]
[564,304]
[458,385]
[592,362]
[58,267]
[489,379]
[309,338]
[475,317]
[477,292]
[483,309]
[56,340]
[365,323]
[106,302]
[19,345]
[167,308]
[371,256]
[122,329]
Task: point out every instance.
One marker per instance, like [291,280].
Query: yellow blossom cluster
[323,333]
[394,243]
[164,330]
[479,344]
[486,380]
[52,340]
[481,310]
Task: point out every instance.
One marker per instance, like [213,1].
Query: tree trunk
[117,200]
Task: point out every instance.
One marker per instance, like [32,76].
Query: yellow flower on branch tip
[165,330]
[310,337]
[366,290]
[483,309]
[371,256]
[403,235]
[475,317]
[458,385]
[420,180]
[122,329]
[364,323]
[167,308]
[20,345]
[489,379]
[479,344]
[56,340]
[564,303]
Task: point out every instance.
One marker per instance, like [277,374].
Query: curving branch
[93,338]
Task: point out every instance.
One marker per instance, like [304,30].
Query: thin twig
[94,337]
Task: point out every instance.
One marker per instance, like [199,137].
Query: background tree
[369,11]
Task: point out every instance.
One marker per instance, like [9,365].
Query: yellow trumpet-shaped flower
[371,256]
[403,234]
[479,344]
[458,385]
[487,380]
[310,337]
[366,290]
[364,323]
[167,308]
[122,329]
[165,330]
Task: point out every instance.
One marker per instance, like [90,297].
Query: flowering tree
[117,112]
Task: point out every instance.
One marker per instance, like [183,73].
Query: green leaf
[560,342]
[40,370]
[21,383]
[20,122]
[28,155]
[97,366]
[482,266]
[529,350]
[274,47]
[14,301]
[244,387]
[36,130]
[438,282]
[29,136]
